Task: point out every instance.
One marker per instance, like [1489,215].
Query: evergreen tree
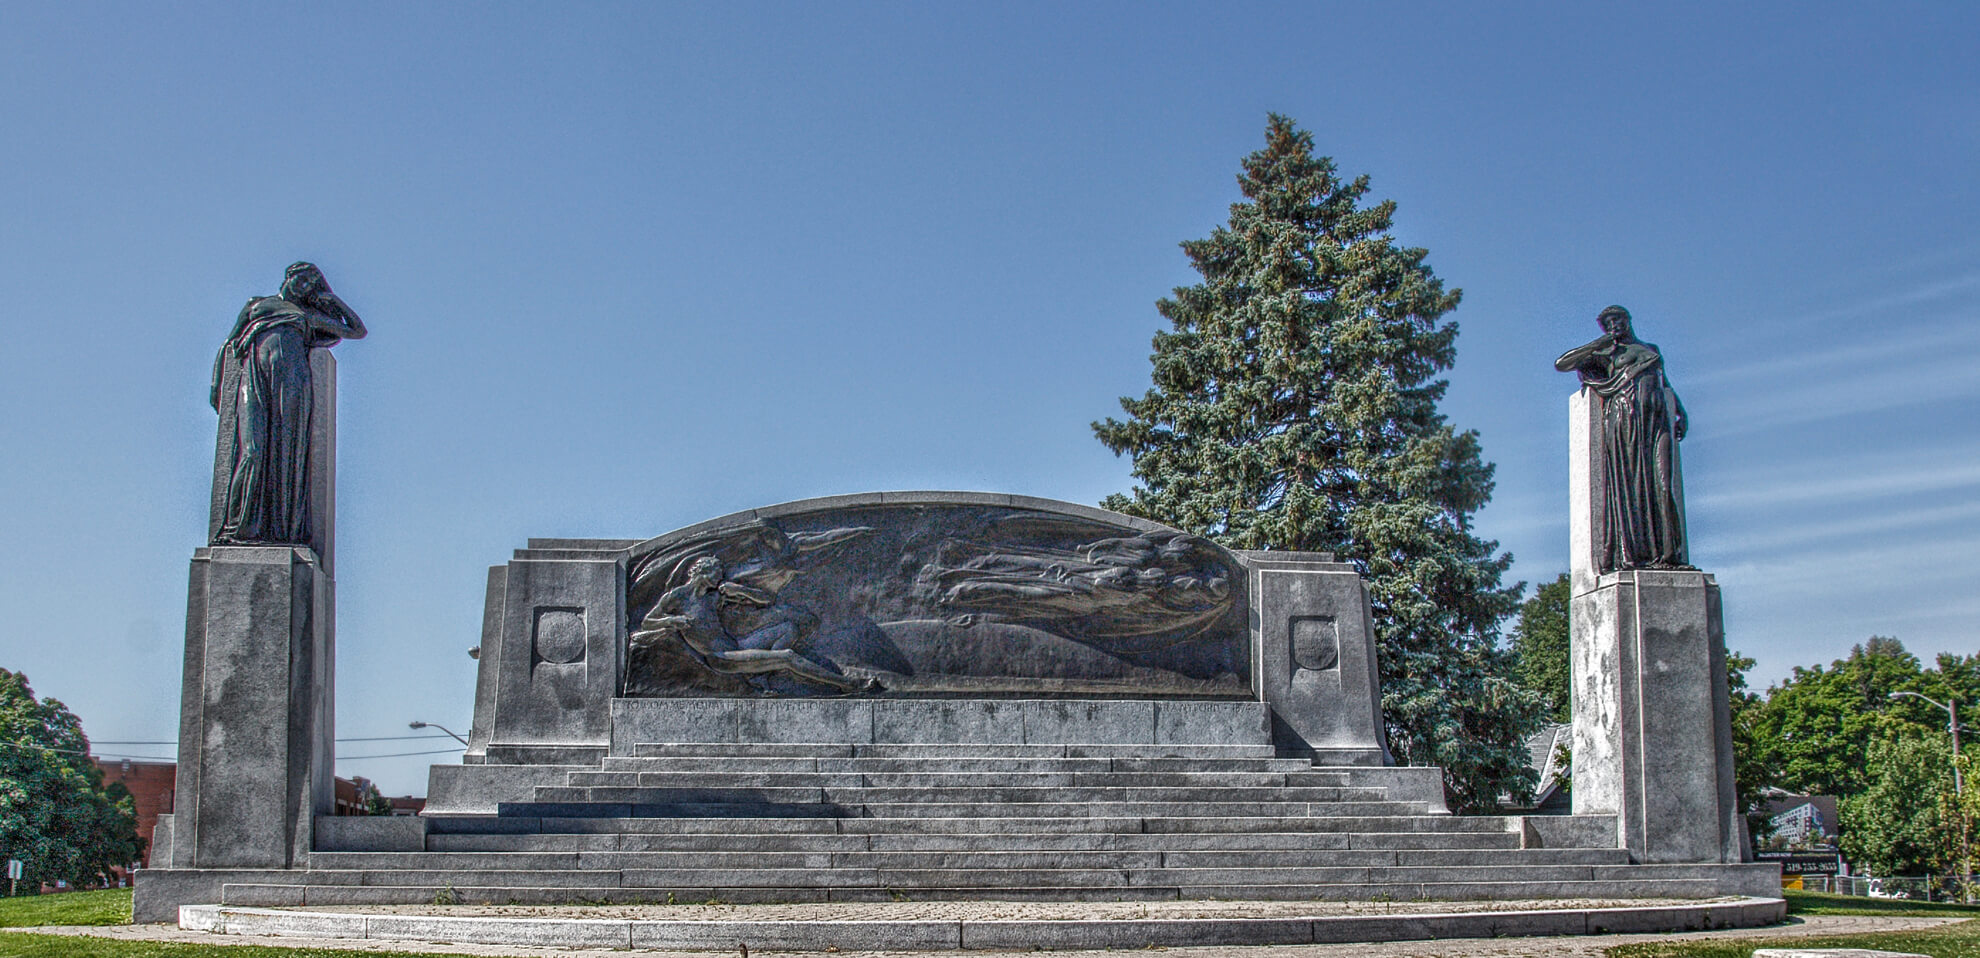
[1295,407]
[56,816]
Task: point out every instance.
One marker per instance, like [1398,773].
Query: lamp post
[463,741]
[1951,708]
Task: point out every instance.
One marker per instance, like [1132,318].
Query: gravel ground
[1572,947]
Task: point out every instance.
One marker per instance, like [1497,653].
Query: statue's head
[1615,321]
[706,569]
[301,281]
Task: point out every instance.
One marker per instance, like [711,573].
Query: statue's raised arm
[1642,422]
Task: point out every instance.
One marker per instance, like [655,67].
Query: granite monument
[1652,728]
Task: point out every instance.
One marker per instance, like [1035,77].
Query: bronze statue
[263,368]
[1642,422]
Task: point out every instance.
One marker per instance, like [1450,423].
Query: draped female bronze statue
[262,378]
[1642,422]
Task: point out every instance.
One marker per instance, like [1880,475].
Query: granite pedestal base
[1652,729]
[255,752]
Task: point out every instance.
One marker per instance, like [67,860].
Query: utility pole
[1951,707]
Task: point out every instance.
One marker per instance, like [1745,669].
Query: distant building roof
[1543,753]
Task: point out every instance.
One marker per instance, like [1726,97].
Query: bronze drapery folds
[263,371]
[1642,422]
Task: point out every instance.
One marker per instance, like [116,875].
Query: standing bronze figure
[263,373]
[1642,422]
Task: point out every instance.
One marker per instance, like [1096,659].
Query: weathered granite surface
[1652,726]
[256,719]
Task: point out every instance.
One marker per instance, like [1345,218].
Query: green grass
[1819,903]
[112,906]
[1960,940]
[27,945]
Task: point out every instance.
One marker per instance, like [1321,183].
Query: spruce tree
[1295,407]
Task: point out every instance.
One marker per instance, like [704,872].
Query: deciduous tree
[1540,646]
[56,815]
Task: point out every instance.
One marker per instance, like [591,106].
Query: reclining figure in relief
[692,613]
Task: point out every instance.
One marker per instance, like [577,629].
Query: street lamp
[1951,708]
[463,741]
[1952,725]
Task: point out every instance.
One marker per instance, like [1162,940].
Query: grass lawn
[1817,903]
[1952,941]
[111,906]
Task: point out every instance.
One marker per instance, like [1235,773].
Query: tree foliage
[56,815]
[1540,647]
[1901,822]
[1836,730]
[1295,406]
[1819,724]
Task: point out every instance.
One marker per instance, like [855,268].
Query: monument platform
[935,697]
[940,927]
[1199,806]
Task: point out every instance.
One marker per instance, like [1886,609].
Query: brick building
[151,782]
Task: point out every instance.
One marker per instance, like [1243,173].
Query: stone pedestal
[256,715]
[1313,657]
[1652,730]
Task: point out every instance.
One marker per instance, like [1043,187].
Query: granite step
[1192,752]
[1352,802]
[719,765]
[1181,810]
[332,895]
[989,852]
[963,779]
[1084,837]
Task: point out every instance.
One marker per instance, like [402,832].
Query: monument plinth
[256,720]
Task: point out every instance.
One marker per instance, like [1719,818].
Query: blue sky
[629,266]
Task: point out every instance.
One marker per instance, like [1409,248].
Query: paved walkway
[1576,947]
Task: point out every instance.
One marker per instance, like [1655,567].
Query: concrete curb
[907,935]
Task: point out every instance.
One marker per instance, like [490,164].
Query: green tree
[1753,769]
[56,816]
[1540,647]
[1816,728]
[1294,406]
[1902,823]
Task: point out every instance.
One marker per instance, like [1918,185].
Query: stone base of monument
[256,717]
[1652,731]
[1073,706]
[1052,801]
[899,928]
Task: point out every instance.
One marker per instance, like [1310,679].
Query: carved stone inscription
[936,598]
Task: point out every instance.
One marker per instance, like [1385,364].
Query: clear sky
[629,266]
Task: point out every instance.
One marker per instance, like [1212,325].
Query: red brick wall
[150,784]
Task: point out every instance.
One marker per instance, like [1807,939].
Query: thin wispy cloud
[1844,483]
[1849,392]
[1823,526]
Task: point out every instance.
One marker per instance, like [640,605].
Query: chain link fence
[1918,888]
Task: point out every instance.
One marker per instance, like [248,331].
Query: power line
[391,738]
[444,751]
[376,738]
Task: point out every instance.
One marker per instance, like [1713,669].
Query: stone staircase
[880,822]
